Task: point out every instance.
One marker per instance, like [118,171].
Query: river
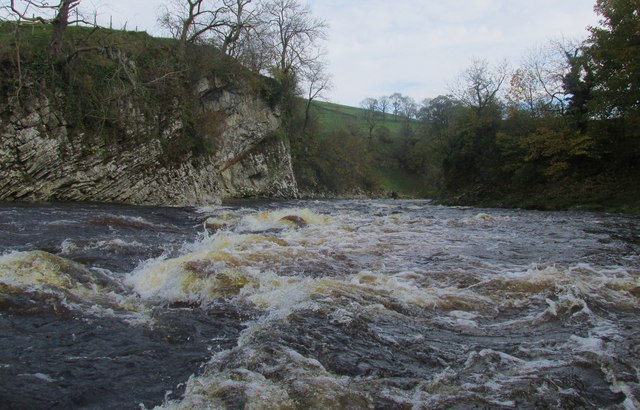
[317,304]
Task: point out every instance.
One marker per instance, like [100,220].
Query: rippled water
[332,304]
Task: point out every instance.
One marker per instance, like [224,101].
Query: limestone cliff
[43,156]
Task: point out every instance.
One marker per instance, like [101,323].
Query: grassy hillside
[388,172]
[333,116]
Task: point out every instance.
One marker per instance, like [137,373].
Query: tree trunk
[307,108]
[59,25]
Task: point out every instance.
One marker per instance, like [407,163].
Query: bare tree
[40,11]
[384,102]
[293,34]
[60,23]
[408,107]
[478,85]
[190,21]
[250,49]
[396,102]
[408,110]
[549,65]
[317,81]
[537,86]
[239,17]
[523,90]
[371,114]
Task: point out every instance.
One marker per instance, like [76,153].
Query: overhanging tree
[192,21]
[372,115]
[293,35]
[240,18]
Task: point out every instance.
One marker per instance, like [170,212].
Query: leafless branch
[167,75]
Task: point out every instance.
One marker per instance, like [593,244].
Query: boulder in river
[294,220]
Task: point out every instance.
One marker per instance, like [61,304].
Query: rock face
[265,170]
[42,157]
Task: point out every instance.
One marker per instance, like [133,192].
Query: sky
[414,47]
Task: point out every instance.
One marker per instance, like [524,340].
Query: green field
[401,182]
[335,116]
[389,173]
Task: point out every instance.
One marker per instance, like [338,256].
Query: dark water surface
[341,304]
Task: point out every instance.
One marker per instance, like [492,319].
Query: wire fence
[79,21]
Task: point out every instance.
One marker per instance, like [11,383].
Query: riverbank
[123,119]
[601,193]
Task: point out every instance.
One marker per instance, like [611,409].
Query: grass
[403,183]
[385,169]
[333,116]
[39,35]
[99,70]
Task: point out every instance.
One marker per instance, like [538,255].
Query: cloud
[420,46]
[416,45]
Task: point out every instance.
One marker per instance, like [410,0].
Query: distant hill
[389,172]
[334,116]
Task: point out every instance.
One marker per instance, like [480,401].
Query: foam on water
[491,302]
[390,305]
[68,246]
[227,263]
[71,285]
[269,220]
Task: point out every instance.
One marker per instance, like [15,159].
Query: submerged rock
[294,220]
[215,226]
